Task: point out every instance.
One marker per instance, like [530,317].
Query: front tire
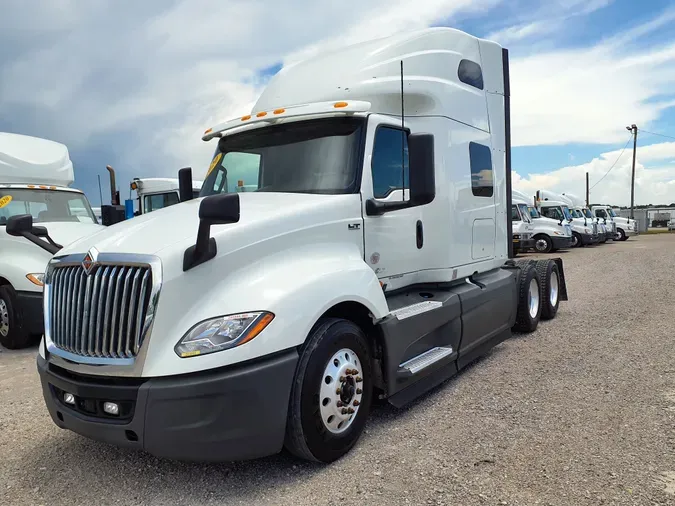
[621,235]
[576,240]
[12,334]
[332,392]
[543,244]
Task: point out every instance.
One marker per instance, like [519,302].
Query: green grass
[655,231]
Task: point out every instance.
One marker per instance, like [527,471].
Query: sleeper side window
[482,177]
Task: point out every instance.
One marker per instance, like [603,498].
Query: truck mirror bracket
[22,226]
[214,210]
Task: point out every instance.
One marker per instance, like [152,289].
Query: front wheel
[576,240]
[332,392]
[621,235]
[543,244]
[12,334]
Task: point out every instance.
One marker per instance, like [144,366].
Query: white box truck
[35,179]
[372,259]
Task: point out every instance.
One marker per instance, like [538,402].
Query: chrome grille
[102,314]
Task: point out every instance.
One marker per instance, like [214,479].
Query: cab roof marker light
[311,109]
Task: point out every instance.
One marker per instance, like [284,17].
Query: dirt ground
[580,412]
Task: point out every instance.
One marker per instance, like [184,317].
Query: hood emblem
[89,261]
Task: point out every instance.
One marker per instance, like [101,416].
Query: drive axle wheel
[528,311]
[332,392]
[549,279]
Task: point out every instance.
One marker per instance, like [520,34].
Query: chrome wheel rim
[541,245]
[575,241]
[555,284]
[4,319]
[341,391]
[533,298]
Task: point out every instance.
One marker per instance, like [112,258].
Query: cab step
[415,309]
[424,360]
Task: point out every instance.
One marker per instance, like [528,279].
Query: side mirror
[422,169]
[185,184]
[19,225]
[22,226]
[422,177]
[214,210]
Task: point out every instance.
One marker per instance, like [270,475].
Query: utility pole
[634,129]
[587,191]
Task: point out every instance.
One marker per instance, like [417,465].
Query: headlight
[587,230]
[222,333]
[37,278]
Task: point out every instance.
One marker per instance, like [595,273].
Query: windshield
[576,213]
[533,212]
[611,212]
[555,213]
[524,212]
[588,213]
[45,205]
[320,156]
[566,212]
[515,215]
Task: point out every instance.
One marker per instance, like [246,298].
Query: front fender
[298,285]
[19,257]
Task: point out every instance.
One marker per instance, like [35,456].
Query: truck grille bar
[103,313]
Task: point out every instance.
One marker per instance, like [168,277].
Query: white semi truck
[523,229]
[558,207]
[372,259]
[549,234]
[621,228]
[155,193]
[583,220]
[35,179]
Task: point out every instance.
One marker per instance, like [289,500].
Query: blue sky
[134,84]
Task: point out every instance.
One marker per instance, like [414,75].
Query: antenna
[100,192]
[402,137]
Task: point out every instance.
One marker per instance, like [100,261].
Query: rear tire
[549,280]
[542,243]
[528,311]
[12,334]
[317,429]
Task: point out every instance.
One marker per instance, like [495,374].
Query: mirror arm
[203,250]
[50,246]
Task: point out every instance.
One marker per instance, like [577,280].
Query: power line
[654,133]
[615,161]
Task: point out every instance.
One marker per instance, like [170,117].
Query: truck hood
[268,213]
[65,233]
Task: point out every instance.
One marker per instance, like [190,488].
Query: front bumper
[587,239]
[30,306]
[561,242]
[522,244]
[234,413]
[630,232]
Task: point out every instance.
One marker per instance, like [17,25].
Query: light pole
[634,129]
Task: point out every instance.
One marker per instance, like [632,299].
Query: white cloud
[146,78]
[654,177]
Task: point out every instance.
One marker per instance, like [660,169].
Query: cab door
[393,240]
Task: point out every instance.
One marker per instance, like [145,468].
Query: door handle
[420,234]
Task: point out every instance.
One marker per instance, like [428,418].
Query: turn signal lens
[36,278]
[339,105]
[279,111]
[246,118]
[261,114]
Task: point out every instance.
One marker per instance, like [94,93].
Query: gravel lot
[580,412]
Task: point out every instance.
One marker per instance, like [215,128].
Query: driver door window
[159,201]
[387,170]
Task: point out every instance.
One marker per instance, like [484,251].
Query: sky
[135,84]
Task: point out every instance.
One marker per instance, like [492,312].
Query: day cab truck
[35,179]
[372,257]
[549,235]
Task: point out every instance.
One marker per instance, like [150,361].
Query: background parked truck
[35,179]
